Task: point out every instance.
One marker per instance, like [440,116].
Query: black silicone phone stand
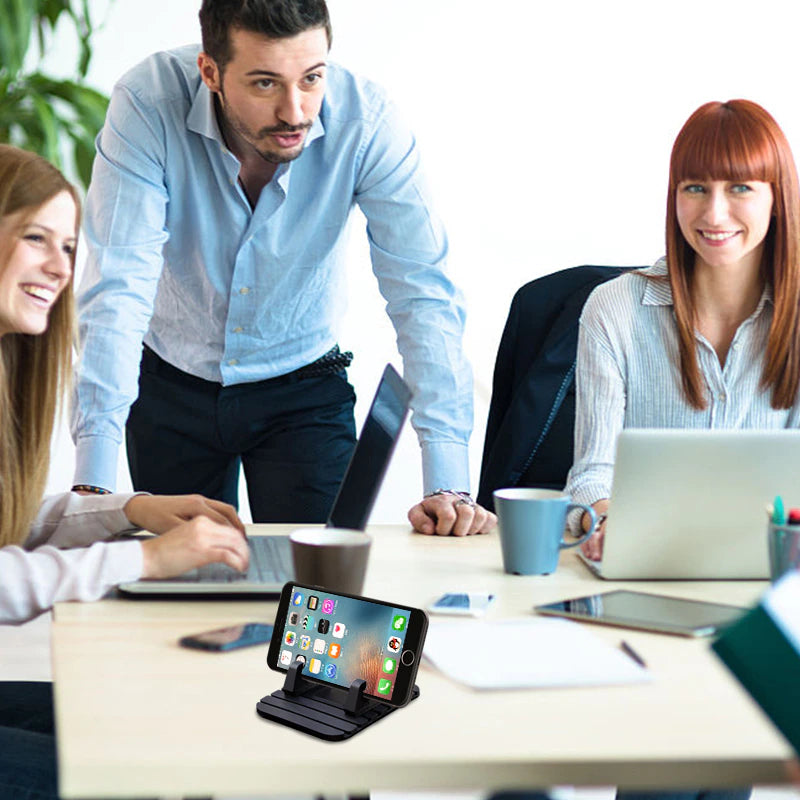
[326,712]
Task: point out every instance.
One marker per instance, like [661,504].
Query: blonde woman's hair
[34,370]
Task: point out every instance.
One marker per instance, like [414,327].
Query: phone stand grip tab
[326,712]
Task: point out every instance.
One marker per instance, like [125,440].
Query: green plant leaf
[83,151]
[38,112]
[49,125]
[88,105]
[16,24]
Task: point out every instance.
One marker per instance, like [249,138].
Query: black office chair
[529,433]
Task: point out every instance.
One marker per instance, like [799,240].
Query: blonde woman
[59,549]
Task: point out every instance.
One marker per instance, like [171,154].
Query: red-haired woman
[709,337]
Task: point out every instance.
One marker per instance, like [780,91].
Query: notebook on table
[270,556]
[690,504]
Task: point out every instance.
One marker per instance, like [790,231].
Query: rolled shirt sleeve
[409,249]
[125,228]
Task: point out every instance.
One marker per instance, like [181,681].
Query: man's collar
[202,117]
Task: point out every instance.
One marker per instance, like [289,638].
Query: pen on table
[628,650]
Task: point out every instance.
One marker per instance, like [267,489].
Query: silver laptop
[270,556]
[691,504]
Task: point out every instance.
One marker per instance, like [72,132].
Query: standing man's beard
[231,122]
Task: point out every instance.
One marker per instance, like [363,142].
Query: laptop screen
[370,460]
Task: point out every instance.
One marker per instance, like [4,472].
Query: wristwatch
[464,498]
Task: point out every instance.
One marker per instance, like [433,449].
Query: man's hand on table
[447,513]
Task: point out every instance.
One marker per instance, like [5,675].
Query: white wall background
[545,129]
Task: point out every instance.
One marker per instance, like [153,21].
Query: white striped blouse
[628,375]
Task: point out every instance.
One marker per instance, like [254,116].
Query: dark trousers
[293,435]
[27,741]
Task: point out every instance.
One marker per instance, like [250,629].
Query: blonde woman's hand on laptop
[160,513]
[593,547]
[193,544]
[446,513]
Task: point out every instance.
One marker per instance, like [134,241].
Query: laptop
[270,556]
[691,504]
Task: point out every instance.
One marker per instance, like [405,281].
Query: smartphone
[471,604]
[342,637]
[230,638]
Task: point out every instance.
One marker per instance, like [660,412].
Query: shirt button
[237,330]
[244,290]
[233,362]
[722,398]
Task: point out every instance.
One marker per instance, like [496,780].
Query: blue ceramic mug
[531,523]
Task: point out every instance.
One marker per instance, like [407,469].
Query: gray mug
[532,523]
[783,542]
[331,558]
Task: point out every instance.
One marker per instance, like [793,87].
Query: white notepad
[535,653]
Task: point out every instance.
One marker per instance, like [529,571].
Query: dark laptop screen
[372,453]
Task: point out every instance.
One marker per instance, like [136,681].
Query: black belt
[333,361]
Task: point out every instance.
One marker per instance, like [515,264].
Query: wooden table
[138,715]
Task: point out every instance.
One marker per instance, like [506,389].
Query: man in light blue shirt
[216,216]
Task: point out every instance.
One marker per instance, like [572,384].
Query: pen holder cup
[783,543]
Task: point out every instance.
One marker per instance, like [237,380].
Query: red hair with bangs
[740,141]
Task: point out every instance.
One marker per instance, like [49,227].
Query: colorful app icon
[339,630]
[335,650]
[313,602]
[308,622]
[389,665]
[394,644]
[297,599]
[286,657]
[328,605]
[330,671]
[399,623]
[324,625]
[293,618]
[314,666]
[305,642]
[319,646]
[384,686]
[301,658]
[290,638]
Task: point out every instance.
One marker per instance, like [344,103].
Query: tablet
[649,612]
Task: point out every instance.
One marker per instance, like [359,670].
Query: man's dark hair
[277,19]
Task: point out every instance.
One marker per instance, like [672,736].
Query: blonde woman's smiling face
[39,264]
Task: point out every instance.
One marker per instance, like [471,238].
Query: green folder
[762,650]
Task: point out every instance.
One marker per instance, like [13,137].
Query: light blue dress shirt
[232,294]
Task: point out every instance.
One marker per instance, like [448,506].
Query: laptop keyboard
[270,562]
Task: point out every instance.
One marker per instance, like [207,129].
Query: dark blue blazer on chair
[529,433]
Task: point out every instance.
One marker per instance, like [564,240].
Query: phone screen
[340,638]
[468,603]
[230,638]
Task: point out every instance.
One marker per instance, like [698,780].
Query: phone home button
[407,659]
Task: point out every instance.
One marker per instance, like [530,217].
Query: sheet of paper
[518,654]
